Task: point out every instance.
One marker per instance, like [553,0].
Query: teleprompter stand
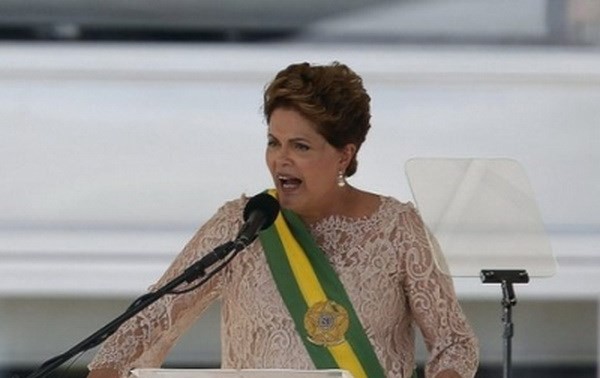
[506,278]
[484,217]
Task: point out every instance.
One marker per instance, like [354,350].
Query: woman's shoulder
[405,215]
[392,205]
[227,218]
[374,205]
[228,212]
[235,205]
[399,213]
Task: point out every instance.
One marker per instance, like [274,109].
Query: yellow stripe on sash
[313,292]
[303,272]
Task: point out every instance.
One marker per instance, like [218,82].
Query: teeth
[288,181]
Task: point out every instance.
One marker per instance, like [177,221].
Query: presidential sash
[322,312]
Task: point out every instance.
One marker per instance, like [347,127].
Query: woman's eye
[302,147]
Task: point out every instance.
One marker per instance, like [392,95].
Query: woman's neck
[350,202]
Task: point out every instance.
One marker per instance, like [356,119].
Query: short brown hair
[331,96]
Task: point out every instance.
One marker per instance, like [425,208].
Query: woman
[373,249]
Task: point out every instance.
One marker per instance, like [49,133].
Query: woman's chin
[289,202]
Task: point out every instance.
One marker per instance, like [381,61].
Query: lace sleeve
[145,340]
[449,338]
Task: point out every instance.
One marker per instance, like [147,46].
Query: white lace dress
[385,263]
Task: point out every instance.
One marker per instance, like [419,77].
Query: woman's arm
[103,373]
[145,340]
[450,340]
[441,374]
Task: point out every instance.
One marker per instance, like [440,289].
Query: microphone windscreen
[265,204]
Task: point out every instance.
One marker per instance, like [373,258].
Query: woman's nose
[283,153]
[283,156]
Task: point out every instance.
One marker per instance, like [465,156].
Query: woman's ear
[347,153]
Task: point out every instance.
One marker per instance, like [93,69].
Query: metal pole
[506,277]
[508,333]
[508,301]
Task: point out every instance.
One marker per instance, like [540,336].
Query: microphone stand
[192,273]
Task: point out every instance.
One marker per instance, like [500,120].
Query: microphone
[260,213]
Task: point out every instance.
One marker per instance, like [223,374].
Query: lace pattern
[384,261]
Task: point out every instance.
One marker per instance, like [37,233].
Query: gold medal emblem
[326,323]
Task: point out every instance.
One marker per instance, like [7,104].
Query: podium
[241,373]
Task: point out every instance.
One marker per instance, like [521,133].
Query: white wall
[112,155]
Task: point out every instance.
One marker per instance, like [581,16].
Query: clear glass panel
[483,214]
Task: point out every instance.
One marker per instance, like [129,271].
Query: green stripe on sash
[335,290]
[332,287]
[291,295]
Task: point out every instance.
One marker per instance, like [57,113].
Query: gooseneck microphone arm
[195,271]
[260,212]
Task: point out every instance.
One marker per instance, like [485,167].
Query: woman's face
[304,166]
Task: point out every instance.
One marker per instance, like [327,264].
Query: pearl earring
[341,180]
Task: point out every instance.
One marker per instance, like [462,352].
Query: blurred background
[125,124]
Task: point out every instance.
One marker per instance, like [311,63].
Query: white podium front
[243,373]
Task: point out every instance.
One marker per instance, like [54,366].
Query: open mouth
[289,182]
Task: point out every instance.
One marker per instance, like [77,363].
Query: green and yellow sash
[322,312]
